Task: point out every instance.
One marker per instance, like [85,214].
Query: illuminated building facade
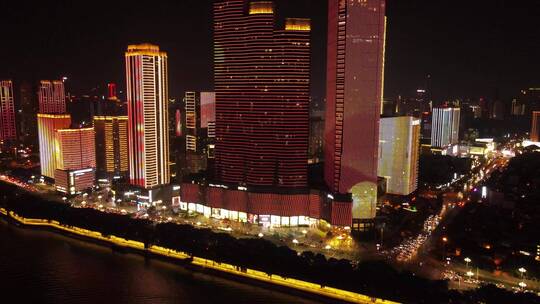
[111,137]
[111,91]
[148,128]
[535,127]
[47,126]
[355,67]
[75,149]
[8,130]
[445,127]
[208,122]
[178,122]
[74,181]
[261,78]
[199,109]
[192,104]
[399,145]
[75,160]
[52,97]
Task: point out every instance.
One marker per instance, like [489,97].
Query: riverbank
[245,273]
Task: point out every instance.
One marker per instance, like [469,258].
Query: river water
[38,266]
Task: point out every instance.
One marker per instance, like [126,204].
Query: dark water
[44,267]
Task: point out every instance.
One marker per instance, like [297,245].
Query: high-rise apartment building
[47,126]
[75,149]
[445,127]
[75,160]
[399,144]
[192,106]
[199,109]
[52,97]
[111,146]
[261,78]
[355,73]
[147,98]
[8,130]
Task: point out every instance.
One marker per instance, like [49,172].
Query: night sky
[470,48]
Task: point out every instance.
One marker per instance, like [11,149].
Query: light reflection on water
[44,267]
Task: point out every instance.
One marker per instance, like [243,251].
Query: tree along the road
[372,278]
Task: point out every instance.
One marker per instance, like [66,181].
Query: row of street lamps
[469,273]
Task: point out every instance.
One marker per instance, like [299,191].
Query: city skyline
[322,149]
[423,39]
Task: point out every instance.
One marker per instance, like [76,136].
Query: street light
[522,285]
[522,270]
[467,260]
[469,274]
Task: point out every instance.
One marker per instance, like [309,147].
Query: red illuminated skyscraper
[52,97]
[111,88]
[262,73]
[356,34]
[8,130]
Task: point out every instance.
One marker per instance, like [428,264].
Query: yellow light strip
[330,292]
[53,115]
[75,130]
[110,117]
[298,24]
[261,7]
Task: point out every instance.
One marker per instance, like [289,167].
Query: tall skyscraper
[445,127]
[208,120]
[147,98]
[261,78]
[111,146]
[355,67]
[535,127]
[52,97]
[47,126]
[199,129]
[27,116]
[192,104]
[8,130]
[75,160]
[399,144]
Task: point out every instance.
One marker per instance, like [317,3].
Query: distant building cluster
[244,150]
[258,147]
